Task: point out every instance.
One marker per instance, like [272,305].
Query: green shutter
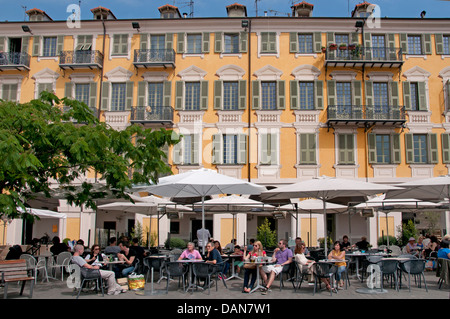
[268,42]
[294,85]
[243,41]
[445,137]
[439,39]
[393,94]
[391,44]
[331,91]
[255,95]
[242,149]
[281,96]
[167,93]
[409,147]
[129,97]
[93,95]
[180,42]
[273,148]
[68,90]
[218,94]
[426,41]
[422,96]
[195,149]
[141,93]
[36,46]
[368,45]
[293,42]
[350,149]
[217,149]
[176,157]
[317,39]
[124,44]
[448,94]
[264,41]
[264,160]
[357,93]
[372,145]
[2,44]
[242,94]
[59,44]
[169,41]
[307,149]
[218,42]
[203,95]
[354,38]
[105,95]
[318,94]
[116,44]
[330,40]
[205,42]
[342,149]
[369,93]
[179,86]
[143,44]
[433,148]
[25,44]
[346,149]
[407,95]
[395,147]
[404,42]
[272,42]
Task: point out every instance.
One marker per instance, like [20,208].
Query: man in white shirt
[203,236]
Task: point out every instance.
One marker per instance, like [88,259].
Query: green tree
[41,146]
[266,236]
[406,231]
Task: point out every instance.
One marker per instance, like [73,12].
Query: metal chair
[204,271]
[219,267]
[415,267]
[62,261]
[300,274]
[85,275]
[288,270]
[389,268]
[35,265]
[175,269]
[324,270]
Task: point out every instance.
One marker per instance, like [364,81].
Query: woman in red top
[256,252]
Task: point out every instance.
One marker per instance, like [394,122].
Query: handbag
[249,266]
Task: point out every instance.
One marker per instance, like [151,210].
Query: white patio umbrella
[202,182]
[43,213]
[326,188]
[312,206]
[430,189]
[381,203]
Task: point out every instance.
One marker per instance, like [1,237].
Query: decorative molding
[306,72]
[380,76]
[234,171]
[230,72]
[343,75]
[117,120]
[269,119]
[384,171]
[192,73]
[45,76]
[268,73]
[118,74]
[155,76]
[421,170]
[82,77]
[416,74]
[307,171]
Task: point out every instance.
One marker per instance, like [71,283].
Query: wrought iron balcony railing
[81,59]
[359,113]
[366,55]
[145,58]
[14,60]
[144,114]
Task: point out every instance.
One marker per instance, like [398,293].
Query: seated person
[129,257]
[190,253]
[363,244]
[140,252]
[96,258]
[283,257]
[345,245]
[14,252]
[444,251]
[230,247]
[411,247]
[304,263]
[112,249]
[238,263]
[58,247]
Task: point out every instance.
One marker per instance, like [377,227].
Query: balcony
[81,59]
[152,115]
[378,57]
[366,114]
[154,58]
[14,60]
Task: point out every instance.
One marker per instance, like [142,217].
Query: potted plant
[324,49]
[342,46]
[333,46]
[352,46]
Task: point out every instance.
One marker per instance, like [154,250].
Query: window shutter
[368,45]
[357,93]
[242,94]
[318,94]
[396,150]
[346,149]
[433,148]
[195,149]
[371,139]
[203,95]
[124,44]
[218,42]
[243,41]
[129,98]
[272,42]
[407,95]
[180,42]
[293,42]
[445,148]
[105,95]
[264,41]
[59,44]
[307,149]
[217,149]
[25,44]
[68,90]
[439,39]
[255,95]
[176,157]
[116,44]
[167,93]
[422,96]
[369,93]
[143,44]
[273,148]
[354,38]
[294,85]
[426,42]
[218,94]
[242,149]
[169,41]
[393,94]
[36,46]
[141,93]
[205,42]
[179,85]
[317,38]
[331,88]
[281,103]
[448,94]
[330,40]
[391,44]
[404,43]
[409,148]
[2,44]
[93,96]
[350,149]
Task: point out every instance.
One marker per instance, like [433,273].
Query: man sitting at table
[283,257]
[108,276]
[128,256]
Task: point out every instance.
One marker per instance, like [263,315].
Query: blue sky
[12,10]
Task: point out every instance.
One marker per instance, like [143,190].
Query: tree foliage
[43,146]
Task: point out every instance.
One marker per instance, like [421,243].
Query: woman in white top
[97,257]
[303,262]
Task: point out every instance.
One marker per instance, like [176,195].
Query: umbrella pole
[325,225]
[387,230]
[203,224]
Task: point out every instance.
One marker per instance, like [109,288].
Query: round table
[233,273]
[190,262]
[258,265]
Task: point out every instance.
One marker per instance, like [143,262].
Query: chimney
[236,10]
[302,9]
[38,15]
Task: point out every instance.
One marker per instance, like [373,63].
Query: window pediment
[192,73]
[268,73]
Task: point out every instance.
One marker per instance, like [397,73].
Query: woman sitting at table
[250,270]
[338,254]
[304,263]
[97,257]
[190,253]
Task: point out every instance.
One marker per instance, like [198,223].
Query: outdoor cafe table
[258,265]
[190,262]
[164,258]
[359,255]
[233,273]
[110,264]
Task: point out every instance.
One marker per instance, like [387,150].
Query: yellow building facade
[267,99]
